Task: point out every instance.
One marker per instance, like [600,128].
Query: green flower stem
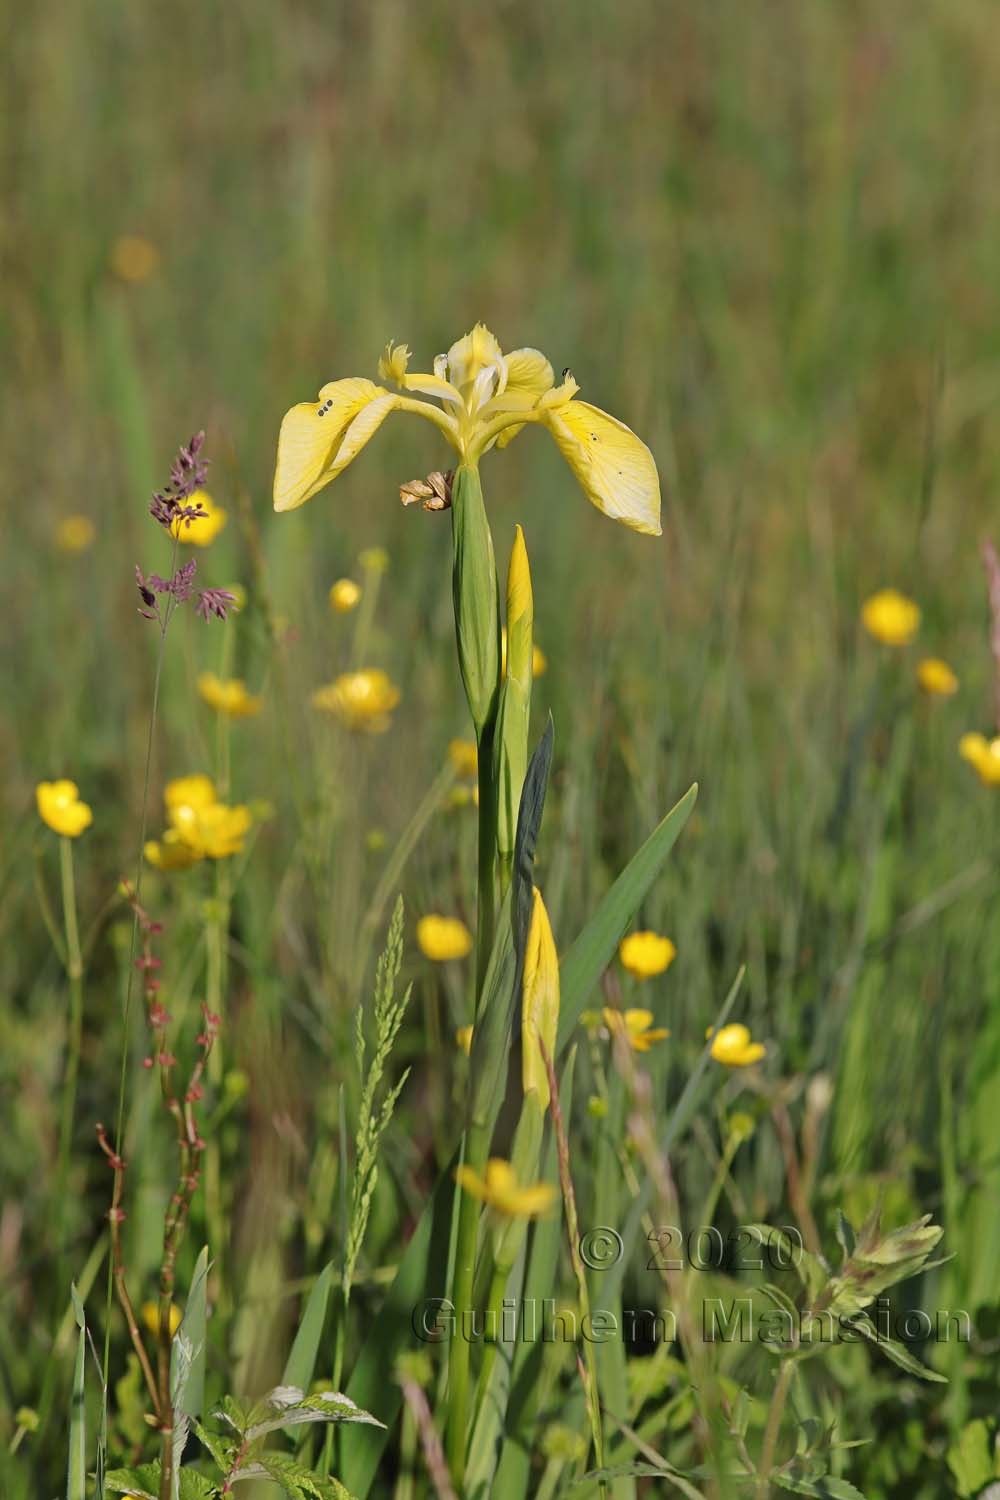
[494,1319]
[782,1386]
[476,1151]
[74,1040]
[477,632]
[486,891]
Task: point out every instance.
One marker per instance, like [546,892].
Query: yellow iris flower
[498,1187]
[733,1046]
[59,807]
[635,1026]
[477,397]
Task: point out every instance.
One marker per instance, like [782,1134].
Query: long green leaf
[525,1395]
[301,1362]
[76,1469]
[422,1277]
[421,1274]
[595,947]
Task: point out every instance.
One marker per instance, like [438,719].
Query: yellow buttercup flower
[204,529]
[345,594]
[214,832]
[201,827]
[478,397]
[360,700]
[463,1039]
[134,258]
[464,757]
[983,755]
[539,661]
[498,1187]
[733,1046]
[193,791]
[150,1314]
[228,696]
[170,853]
[75,534]
[636,1027]
[891,617]
[59,807]
[936,677]
[645,954]
[442,938]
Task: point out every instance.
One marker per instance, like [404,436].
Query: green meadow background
[767,236]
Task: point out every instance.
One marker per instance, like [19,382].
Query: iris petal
[615,468]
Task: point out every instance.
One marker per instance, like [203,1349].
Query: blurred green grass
[767,238]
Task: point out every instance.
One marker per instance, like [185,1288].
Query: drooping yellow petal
[615,468]
[318,439]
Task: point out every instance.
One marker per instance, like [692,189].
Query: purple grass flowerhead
[215,602]
[187,474]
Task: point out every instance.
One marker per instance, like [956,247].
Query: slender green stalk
[588,1366]
[74,1040]
[477,1146]
[771,1432]
[486,894]
[494,1319]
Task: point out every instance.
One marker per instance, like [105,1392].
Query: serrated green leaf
[827,1487]
[143,1481]
[898,1353]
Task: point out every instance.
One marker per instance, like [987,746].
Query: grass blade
[76,1470]
[596,945]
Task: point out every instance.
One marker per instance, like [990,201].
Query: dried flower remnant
[434,491]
